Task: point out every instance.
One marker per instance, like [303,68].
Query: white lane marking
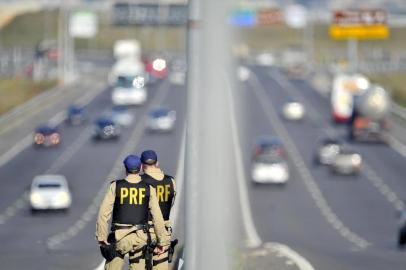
[307,177]
[16,149]
[389,194]
[179,178]
[397,145]
[383,188]
[14,208]
[101,265]
[55,120]
[253,239]
[53,242]
[292,255]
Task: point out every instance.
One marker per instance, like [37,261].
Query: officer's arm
[106,208]
[158,220]
[174,187]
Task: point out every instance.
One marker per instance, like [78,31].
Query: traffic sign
[269,16]
[359,24]
[83,24]
[243,17]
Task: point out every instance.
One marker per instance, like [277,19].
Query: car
[177,77]
[268,145]
[129,90]
[327,150]
[243,73]
[76,115]
[46,135]
[269,169]
[50,192]
[347,162]
[265,59]
[161,120]
[293,111]
[105,129]
[121,116]
[402,230]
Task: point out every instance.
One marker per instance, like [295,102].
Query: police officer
[129,202]
[165,190]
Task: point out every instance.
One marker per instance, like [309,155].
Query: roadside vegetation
[17,91]
[27,30]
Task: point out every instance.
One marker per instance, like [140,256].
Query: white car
[50,192]
[347,162]
[161,120]
[243,73]
[293,111]
[121,116]
[128,91]
[265,59]
[327,151]
[269,170]
[177,77]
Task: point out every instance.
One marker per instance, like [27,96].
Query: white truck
[127,79]
[127,48]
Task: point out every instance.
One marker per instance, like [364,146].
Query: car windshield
[268,159]
[125,81]
[159,113]
[49,185]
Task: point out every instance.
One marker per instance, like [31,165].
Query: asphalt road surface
[333,222]
[59,241]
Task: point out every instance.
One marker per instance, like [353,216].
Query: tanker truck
[369,121]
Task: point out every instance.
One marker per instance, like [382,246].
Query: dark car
[76,115]
[402,230]
[106,128]
[268,145]
[46,135]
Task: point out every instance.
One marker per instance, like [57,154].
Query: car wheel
[34,211]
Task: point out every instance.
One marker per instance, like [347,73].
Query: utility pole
[210,160]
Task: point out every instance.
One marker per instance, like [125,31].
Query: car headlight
[63,197]
[356,160]
[35,198]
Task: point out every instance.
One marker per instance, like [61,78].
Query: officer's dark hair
[132,171]
[149,162]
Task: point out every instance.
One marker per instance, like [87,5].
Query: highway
[58,241]
[333,222]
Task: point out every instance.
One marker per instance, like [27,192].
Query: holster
[109,252]
[171,250]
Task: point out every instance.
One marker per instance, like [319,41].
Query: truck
[127,48]
[345,88]
[369,121]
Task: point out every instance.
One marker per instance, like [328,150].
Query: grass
[28,29]
[395,83]
[18,91]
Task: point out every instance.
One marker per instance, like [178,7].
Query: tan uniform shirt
[106,209]
[158,174]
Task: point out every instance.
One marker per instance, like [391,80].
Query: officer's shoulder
[169,176]
[115,181]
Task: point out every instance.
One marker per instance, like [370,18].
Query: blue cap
[132,164]
[149,157]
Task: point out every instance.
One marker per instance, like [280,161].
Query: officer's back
[164,184]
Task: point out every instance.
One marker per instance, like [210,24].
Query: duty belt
[137,227]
